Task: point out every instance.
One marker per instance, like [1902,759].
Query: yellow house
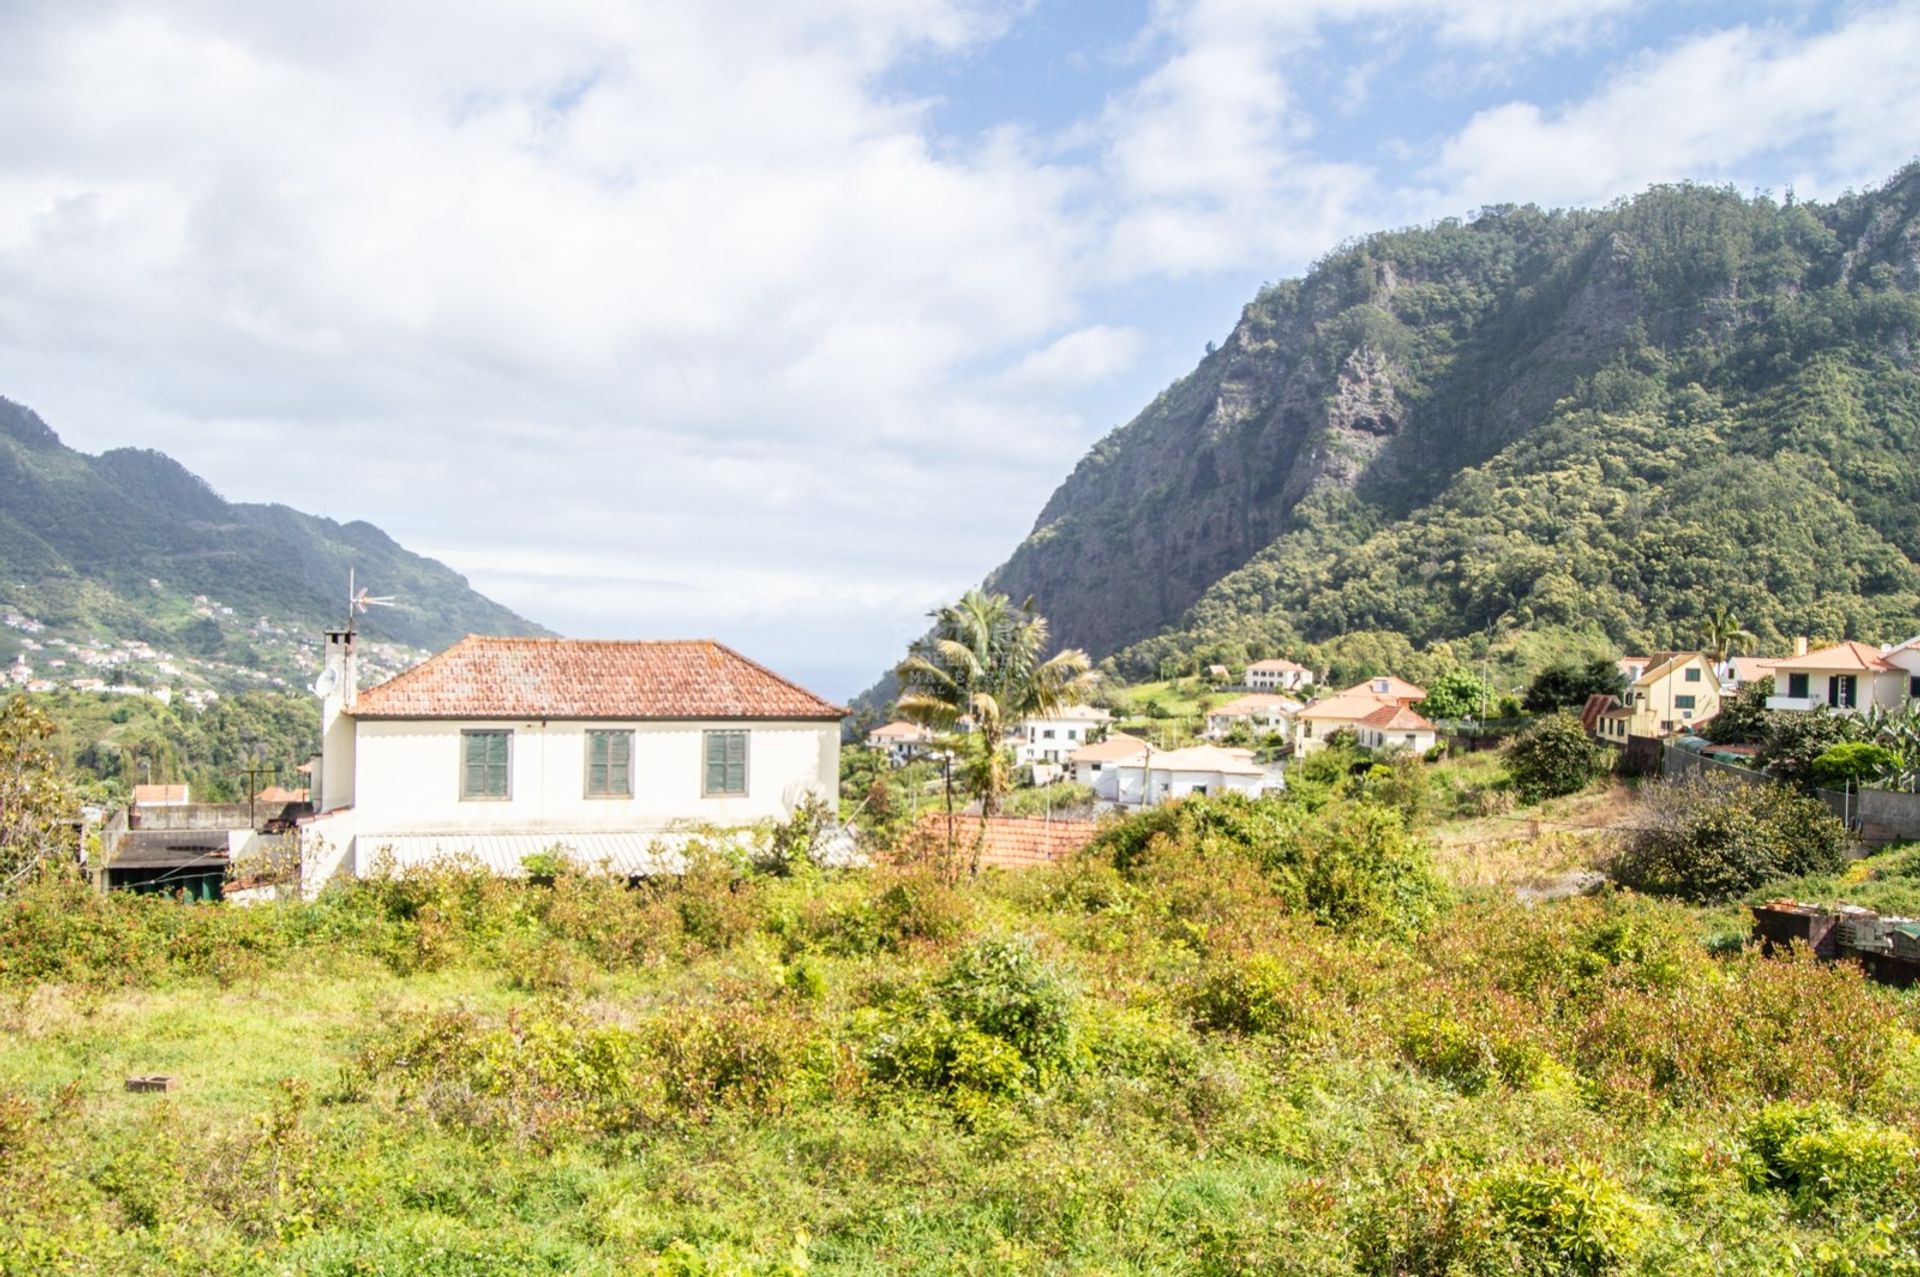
[1677,691]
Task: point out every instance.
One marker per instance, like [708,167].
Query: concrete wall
[1886,816]
[407,777]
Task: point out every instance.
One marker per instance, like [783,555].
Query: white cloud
[681,317]
[1080,358]
[1711,107]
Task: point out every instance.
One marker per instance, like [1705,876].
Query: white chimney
[1800,645]
[339,688]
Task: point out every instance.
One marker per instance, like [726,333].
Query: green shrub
[999,1020]
[1815,1152]
[1573,1219]
[1851,762]
[1554,756]
[1715,837]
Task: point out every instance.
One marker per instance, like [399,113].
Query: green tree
[1798,737]
[1721,633]
[36,803]
[985,660]
[1455,694]
[1568,686]
[1744,716]
[1851,762]
[1554,756]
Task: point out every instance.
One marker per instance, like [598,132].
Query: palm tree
[984,662]
[1720,634]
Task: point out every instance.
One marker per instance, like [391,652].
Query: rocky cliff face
[1350,398]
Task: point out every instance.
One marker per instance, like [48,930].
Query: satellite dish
[328,680]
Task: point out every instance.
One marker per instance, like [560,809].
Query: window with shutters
[609,764]
[1797,686]
[726,759]
[486,765]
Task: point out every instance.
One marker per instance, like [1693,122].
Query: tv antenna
[358,601]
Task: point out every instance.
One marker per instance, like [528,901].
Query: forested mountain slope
[83,539]
[1601,422]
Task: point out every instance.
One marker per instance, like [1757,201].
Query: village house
[1258,712]
[500,748]
[1737,673]
[1677,692]
[901,740]
[1157,776]
[1094,765]
[1322,718]
[1847,677]
[1388,688]
[1051,740]
[1395,727]
[1277,675]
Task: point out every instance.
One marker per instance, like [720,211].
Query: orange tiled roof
[1254,703]
[1841,656]
[1118,745]
[1277,665]
[901,730]
[1012,842]
[1397,688]
[481,677]
[1348,707]
[278,794]
[155,795]
[1397,718]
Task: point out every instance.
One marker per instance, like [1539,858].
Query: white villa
[1397,727]
[1259,712]
[1053,740]
[1277,675]
[1095,765]
[1848,677]
[1346,711]
[1156,776]
[503,747]
[901,739]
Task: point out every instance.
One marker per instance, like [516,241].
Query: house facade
[503,747]
[1395,727]
[1258,712]
[1676,692]
[1848,678]
[1344,712]
[1053,740]
[1159,776]
[1277,675]
[1095,765]
[901,740]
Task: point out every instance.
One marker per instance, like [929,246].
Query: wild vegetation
[1235,1037]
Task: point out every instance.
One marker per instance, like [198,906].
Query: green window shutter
[620,763]
[726,762]
[484,764]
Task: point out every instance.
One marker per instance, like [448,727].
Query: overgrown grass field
[1235,1038]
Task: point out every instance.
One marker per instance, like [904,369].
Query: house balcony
[1805,703]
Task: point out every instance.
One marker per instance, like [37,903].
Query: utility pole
[253,775]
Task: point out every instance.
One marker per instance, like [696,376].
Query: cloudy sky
[777,320]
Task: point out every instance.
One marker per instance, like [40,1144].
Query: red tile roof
[1599,705]
[481,677]
[1841,656]
[1277,665]
[1388,686]
[1012,842]
[1397,718]
[159,795]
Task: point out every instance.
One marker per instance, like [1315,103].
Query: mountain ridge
[116,542]
[1373,448]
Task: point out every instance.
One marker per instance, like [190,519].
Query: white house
[503,747]
[1055,738]
[1321,719]
[901,739]
[1095,765]
[1848,678]
[1156,776]
[1277,675]
[1394,727]
[1258,712]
